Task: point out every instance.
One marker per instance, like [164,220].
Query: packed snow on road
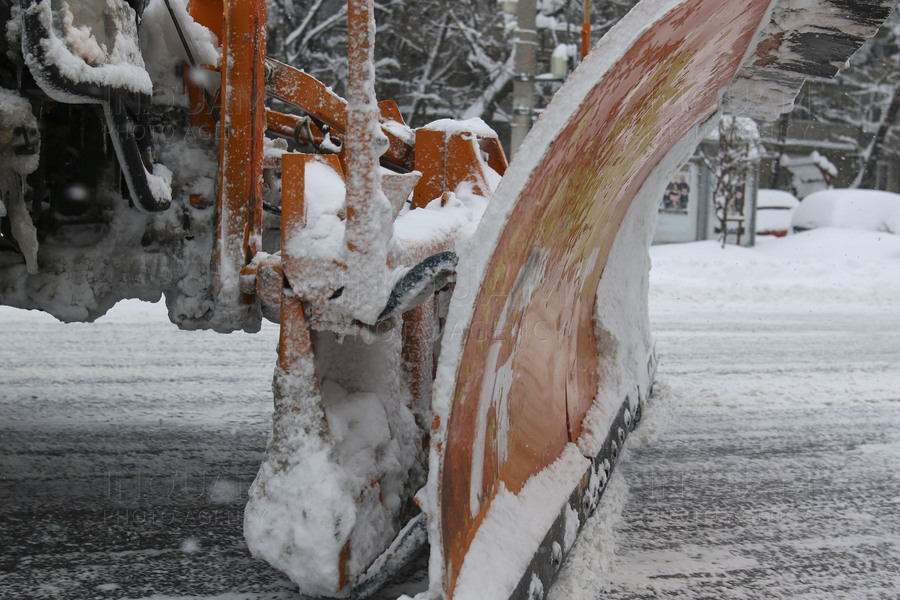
[765,466]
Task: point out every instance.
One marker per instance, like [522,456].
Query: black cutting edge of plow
[552,552]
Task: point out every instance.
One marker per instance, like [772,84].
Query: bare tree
[447,58]
[731,159]
[879,75]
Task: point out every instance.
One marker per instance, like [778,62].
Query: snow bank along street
[767,467]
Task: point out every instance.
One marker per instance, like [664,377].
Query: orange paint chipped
[343,566]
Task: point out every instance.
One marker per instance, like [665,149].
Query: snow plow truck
[464,342]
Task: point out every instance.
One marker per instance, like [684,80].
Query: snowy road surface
[768,467]
[777,474]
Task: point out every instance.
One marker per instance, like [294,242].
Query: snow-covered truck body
[464,344]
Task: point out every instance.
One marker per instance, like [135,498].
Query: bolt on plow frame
[465,344]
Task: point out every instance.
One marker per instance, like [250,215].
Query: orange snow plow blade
[534,316]
[539,402]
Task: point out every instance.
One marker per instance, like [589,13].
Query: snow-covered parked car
[774,209]
[869,210]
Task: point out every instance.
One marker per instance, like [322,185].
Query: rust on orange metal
[529,360]
[241,135]
[767,49]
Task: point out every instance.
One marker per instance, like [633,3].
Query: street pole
[523,82]
[586,30]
